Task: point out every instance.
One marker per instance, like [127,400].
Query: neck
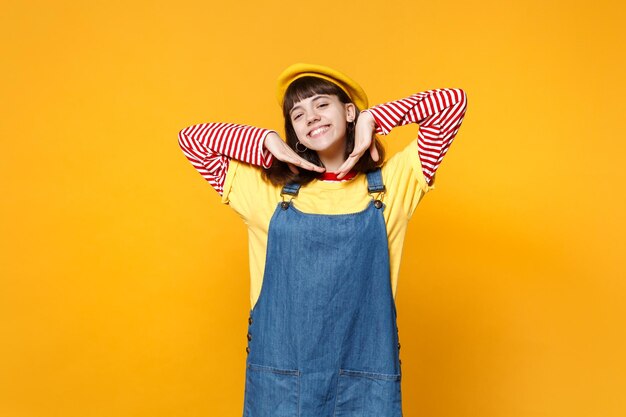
[333,158]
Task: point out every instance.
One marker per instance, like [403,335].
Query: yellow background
[124,283]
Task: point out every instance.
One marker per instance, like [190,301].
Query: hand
[281,151]
[363,133]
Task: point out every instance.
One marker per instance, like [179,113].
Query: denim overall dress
[322,336]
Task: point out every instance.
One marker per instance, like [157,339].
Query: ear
[350,112]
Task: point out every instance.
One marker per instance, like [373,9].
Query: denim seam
[371,375]
[345,215]
[265,368]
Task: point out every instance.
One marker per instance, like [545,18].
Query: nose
[312,117]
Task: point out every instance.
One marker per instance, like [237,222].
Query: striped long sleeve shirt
[439,114]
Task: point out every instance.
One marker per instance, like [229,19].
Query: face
[320,122]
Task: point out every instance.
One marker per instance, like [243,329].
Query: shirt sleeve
[404,181]
[210,147]
[439,114]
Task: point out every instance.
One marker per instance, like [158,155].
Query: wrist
[367,117]
[270,137]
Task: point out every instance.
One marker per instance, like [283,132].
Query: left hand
[363,133]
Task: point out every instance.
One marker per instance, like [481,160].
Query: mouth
[317,132]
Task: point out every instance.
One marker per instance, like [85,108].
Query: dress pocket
[368,394]
[271,392]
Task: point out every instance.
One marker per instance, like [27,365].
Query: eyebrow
[319,96]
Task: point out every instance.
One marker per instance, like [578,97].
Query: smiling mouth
[319,131]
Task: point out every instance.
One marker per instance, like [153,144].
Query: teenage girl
[326,217]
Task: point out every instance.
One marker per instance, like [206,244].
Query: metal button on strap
[284,205]
[378,204]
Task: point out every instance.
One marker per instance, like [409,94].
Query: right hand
[281,151]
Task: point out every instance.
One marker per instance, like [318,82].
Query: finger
[358,151]
[290,157]
[309,166]
[293,168]
[346,167]
[303,163]
[342,174]
[346,164]
[317,168]
[294,158]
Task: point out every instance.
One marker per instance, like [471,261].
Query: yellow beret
[347,84]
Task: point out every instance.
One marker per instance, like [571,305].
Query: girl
[326,219]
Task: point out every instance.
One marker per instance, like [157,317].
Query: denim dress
[322,336]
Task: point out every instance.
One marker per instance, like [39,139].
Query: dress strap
[375,181]
[291,188]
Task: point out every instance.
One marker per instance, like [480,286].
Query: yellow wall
[115,298]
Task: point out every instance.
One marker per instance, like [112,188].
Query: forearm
[241,142]
[439,114]
[210,146]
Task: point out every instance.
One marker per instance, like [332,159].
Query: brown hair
[302,88]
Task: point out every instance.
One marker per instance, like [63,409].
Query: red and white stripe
[209,147]
[439,114]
